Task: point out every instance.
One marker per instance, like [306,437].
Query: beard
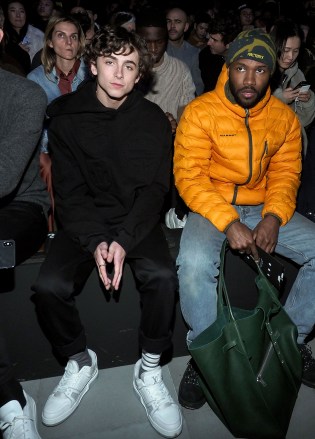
[250,102]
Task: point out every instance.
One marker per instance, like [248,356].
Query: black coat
[210,68]
[111,168]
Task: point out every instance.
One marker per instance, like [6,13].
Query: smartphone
[7,253]
[302,84]
[304,88]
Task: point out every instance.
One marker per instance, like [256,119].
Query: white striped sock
[149,361]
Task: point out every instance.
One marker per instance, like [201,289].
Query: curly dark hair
[115,39]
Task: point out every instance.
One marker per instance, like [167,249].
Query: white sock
[149,361]
[82,358]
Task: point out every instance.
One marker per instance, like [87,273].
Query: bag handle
[223,297]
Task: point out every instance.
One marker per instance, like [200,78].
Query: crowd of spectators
[47,41]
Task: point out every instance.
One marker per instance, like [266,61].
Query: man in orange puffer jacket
[237,166]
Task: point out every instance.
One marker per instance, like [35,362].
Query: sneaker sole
[60,419]
[191,405]
[156,427]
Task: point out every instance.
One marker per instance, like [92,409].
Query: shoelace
[159,392]
[191,376]
[5,425]
[67,381]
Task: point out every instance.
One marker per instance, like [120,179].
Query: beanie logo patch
[256,55]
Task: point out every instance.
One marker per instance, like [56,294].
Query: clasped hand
[113,254]
[264,235]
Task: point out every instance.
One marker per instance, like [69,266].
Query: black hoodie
[111,167]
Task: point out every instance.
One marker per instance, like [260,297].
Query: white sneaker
[163,413]
[17,423]
[66,397]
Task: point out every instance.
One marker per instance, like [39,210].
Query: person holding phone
[286,83]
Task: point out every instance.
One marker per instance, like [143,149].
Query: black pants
[27,225]
[67,268]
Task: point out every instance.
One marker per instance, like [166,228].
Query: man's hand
[116,254]
[100,256]
[104,255]
[266,233]
[241,238]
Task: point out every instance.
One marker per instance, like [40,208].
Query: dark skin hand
[265,235]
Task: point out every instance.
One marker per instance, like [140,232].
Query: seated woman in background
[22,40]
[44,10]
[61,72]
[288,37]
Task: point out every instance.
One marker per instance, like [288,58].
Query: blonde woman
[61,72]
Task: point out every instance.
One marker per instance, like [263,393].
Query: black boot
[308,377]
[190,394]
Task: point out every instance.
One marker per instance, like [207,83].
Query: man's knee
[196,263]
[166,275]
[162,277]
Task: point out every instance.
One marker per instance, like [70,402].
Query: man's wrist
[231,224]
[271,215]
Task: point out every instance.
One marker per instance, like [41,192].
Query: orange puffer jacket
[227,155]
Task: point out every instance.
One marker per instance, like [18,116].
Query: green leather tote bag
[249,363]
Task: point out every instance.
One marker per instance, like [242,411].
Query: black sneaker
[190,394]
[308,376]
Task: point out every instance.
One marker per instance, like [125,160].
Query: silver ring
[241,253]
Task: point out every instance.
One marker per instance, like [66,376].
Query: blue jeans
[198,267]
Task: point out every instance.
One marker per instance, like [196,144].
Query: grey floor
[110,410]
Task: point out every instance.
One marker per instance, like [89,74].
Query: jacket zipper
[265,151]
[250,158]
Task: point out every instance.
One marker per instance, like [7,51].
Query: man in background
[177,25]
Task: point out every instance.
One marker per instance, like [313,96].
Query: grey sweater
[22,109]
